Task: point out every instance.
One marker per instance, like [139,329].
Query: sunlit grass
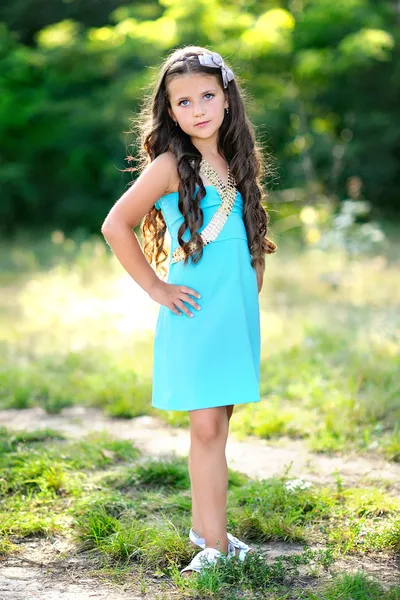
[132,516]
[78,330]
[350,586]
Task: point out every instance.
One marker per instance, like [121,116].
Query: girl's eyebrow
[186,97]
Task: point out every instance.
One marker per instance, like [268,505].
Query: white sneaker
[207,558]
[241,546]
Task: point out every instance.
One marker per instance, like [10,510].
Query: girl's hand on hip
[172,296]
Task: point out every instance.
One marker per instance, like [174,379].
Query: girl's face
[194,98]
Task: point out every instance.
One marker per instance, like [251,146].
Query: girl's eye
[208,94]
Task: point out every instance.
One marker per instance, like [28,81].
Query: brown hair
[236,142]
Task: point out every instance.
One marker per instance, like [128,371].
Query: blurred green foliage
[322,81]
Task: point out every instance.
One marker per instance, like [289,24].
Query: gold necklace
[212,175]
[227,194]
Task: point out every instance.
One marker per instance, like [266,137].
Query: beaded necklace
[227,193]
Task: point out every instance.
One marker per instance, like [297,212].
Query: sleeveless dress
[213,358]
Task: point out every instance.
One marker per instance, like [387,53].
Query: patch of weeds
[95,525]
[369,502]
[253,525]
[128,540]
[277,497]
[356,522]
[9,439]
[167,473]
[97,450]
[164,544]
[28,520]
[153,502]
[231,576]
[344,535]
[330,383]
[328,441]
[391,445]
[32,471]
[269,421]
[92,377]
[354,586]
[163,473]
[379,536]
[172,504]
[106,501]
[49,467]
[347,520]
[41,481]
[175,418]
[133,403]
[237,479]
[6,546]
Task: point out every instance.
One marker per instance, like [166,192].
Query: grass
[129,516]
[77,330]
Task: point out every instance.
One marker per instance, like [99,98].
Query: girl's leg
[197,525]
[209,472]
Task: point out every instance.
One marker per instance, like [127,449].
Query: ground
[46,569]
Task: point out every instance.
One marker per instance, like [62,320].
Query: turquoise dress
[213,358]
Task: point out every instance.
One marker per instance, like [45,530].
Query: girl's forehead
[189,83]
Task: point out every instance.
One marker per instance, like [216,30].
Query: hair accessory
[228,194]
[213,59]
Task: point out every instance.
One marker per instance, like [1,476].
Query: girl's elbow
[113,228]
[108,229]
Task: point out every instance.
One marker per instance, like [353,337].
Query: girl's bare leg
[197,525]
[209,473]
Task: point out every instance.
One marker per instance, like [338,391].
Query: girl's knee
[208,426]
[206,434]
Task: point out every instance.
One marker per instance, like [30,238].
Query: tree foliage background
[322,77]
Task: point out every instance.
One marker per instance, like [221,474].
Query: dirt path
[257,458]
[37,573]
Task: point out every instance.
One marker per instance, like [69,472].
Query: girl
[200,181]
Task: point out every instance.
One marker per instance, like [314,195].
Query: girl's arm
[118,227]
[128,212]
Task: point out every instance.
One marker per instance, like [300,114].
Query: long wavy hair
[236,143]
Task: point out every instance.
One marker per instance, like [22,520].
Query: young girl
[201,182]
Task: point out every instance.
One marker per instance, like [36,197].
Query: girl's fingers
[189,290]
[180,305]
[190,300]
[175,310]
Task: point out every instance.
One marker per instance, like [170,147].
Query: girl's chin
[201,131]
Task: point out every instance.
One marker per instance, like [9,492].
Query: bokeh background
[84,479]
[322,82]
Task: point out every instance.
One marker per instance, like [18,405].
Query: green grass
[348,587]
[77,332]
[131,515]
[329,376]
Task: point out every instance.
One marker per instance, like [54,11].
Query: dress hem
[202,407]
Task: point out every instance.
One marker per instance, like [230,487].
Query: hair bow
[213,59]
